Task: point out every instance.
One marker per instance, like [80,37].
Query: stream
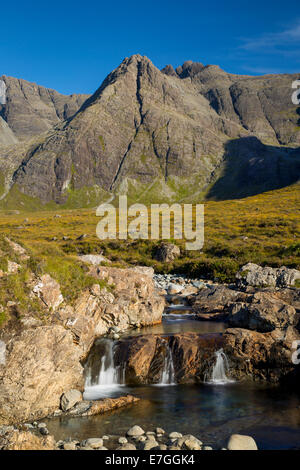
[211,411]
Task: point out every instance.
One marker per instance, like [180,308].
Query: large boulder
[253,275]
[263,356]
[167,252]
[41,363]
[240,442]
[143,357]
[215,302]
[263,312]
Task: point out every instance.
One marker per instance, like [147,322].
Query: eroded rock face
[133,302]
[263,312]
[253,275]
[263,356]
[30,109]
[144,356]
[215,302]
[41,363]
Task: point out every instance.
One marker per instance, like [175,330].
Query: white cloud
[288,37]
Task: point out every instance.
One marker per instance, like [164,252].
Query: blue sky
[72,45]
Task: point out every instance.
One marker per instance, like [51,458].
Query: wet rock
[135,431]
[263,312]
[167,252]
[150,444]
[70,399]
[189,442]
[240,442]
[174,288]
[160,431]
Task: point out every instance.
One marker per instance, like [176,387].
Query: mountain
[168,135]
[30,109]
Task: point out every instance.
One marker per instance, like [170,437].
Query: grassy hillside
[264,229]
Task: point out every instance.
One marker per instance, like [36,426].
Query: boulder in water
[135,431]
[240,442]
[70,399]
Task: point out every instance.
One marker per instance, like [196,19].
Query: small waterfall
[220,370]
[168,374]
[109,378]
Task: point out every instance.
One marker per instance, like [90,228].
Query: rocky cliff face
[30,109]
[159,135]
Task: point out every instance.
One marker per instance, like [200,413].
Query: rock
[142,439]
[145,355]
[239,442]
[122,440]
[167,252]
[12,268]
[25,440]
[127,446]
[135,431]
[150,444]
[253,275]
[95,260]
[44,431]
[70,399]
[134,302]
[215,302]
[174,288]
[93,443]
[175,435]
[262,356]
[92,408]
[40,364]
[32,109]
[48,290]
[160,431]
[189,442]
[69,446]
[263,312]
[41,425]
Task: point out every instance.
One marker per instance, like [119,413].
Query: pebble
[135,431]
[122,440]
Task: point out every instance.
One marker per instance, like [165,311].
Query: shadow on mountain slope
[250,168]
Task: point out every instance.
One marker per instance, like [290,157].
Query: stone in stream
[135,431]
[150,444]
[127,446]
[240,442]
[70,399]
[69,446]
[94,443]
[189,442]
[175,435]
[122,440]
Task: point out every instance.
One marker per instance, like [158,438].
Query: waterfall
[168,375]
[220,370]
[109,378]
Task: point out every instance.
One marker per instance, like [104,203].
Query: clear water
[210,412]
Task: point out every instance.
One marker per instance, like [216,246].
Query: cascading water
[220,370]
[168,374]
[109,377]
